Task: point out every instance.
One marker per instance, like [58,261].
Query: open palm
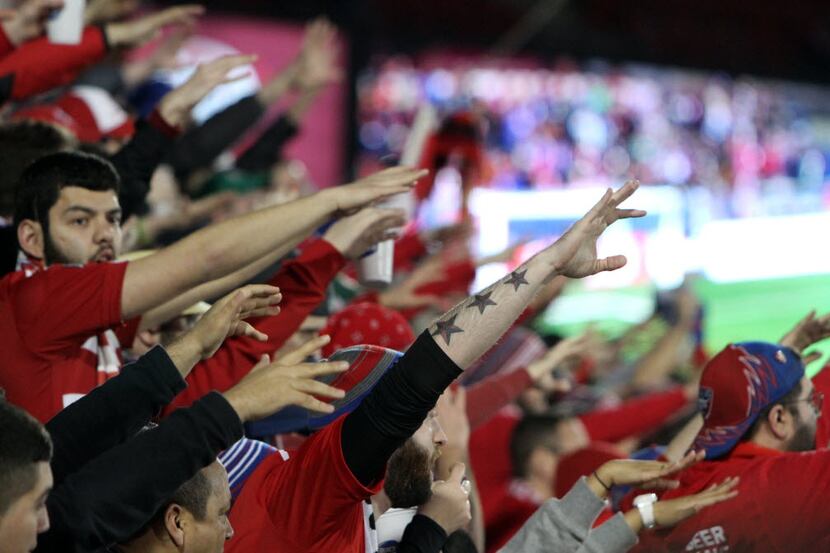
[575,253]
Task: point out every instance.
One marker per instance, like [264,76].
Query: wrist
[238,404]
[597,487]
[634,520]
[185,352]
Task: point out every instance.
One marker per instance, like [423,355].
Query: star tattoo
[446,329]
[482,301]
[517,278]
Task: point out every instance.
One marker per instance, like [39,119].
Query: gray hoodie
[564,526]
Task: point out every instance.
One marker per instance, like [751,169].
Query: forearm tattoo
[446,326]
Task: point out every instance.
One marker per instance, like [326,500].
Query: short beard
[804,439]
[409,476]
[51,255]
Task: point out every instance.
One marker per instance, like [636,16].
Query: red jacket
[303,282]
[781,505]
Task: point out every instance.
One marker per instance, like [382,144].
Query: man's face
[410,470]
[84,226]
[27,516]
[210,534]
[806,419]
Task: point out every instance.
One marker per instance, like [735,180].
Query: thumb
[264,361]
[610,263]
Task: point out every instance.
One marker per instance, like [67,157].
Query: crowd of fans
[755,147]
[191,363]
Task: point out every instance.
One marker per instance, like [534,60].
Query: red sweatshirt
[39,65]
[781,505]
[303,282]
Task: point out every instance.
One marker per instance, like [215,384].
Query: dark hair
[40,184]
[21,144]
[787,401]
[532,431]
[193,495]
[24,443]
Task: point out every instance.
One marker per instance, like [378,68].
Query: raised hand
[355,234]
[374,187]
[175,107]
[268,388]
[139,31]
[542,371]
[226,317]
[650,475]
[670,512]
[316,65]
[807,332]
[574,255]
[303,351]
[449,505]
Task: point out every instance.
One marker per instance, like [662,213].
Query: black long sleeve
[395,408]
[113,412]
[201,145]
[137,160]
[266,151]
[117,494]
[422,535]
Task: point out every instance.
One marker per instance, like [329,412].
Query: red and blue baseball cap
[736,385]
[367,364]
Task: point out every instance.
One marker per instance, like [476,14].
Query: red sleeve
[635,416]
[486,398]
[39,65]
[126,332]
[6,46]
[408,249]
[303,282]
[62,304]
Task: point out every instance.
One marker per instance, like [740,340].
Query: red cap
[367,324]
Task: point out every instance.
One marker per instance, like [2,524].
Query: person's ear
[173,524]
[780,422]
[31,239]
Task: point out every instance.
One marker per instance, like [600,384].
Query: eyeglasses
[816,400]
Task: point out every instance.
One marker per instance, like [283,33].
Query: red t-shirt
[60,330]
[781,505]
[311,502]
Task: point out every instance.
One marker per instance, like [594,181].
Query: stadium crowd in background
[192,362]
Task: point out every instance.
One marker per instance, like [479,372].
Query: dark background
[786,40]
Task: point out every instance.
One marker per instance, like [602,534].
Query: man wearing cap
[760,413]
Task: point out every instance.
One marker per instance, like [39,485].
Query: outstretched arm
[220,249]
[469,329]
[400,402]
